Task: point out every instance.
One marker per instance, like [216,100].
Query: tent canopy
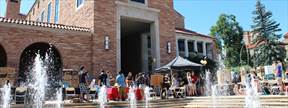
[179,62]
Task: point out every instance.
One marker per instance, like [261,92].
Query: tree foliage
[265,37]
[229,40]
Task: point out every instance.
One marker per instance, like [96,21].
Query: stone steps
[237,102]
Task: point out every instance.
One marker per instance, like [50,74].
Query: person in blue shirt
[120,79]
[279,74]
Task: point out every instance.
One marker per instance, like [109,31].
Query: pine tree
[266,38]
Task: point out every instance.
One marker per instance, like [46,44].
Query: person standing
[279,75]
[165,86]
[189,85]
[82,83]
[120,79]
[194,79]
[102,78]
[108,84]
[129,79]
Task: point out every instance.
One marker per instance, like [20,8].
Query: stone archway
[3,57]
[27,60]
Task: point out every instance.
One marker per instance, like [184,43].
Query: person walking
[83,84]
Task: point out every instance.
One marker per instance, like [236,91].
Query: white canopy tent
[179,62]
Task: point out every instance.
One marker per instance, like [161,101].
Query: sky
[200,15]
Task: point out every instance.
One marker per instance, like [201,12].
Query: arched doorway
[54,67]
[3,57]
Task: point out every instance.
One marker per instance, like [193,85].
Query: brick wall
[105,25]
[166,27]
[179,20]
[69,14]
[74,47]
[13,9]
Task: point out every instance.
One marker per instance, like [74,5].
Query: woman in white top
[175,82]
[189,85]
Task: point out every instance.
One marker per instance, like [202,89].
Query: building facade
[110,35]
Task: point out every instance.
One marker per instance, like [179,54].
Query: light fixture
[204,61]
[106,42]
[168,47]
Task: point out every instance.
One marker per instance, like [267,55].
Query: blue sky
[200,15]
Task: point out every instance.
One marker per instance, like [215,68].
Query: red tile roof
[43,24]
[190,32]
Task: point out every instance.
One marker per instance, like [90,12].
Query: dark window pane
[191,46]
[181,45]
[140,1]
[200,47]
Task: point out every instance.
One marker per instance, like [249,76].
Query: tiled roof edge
[44,24]
[189,32]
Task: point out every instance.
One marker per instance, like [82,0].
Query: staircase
[273,101]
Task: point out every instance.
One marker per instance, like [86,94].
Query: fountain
[59,98]
[147,96]
[6,95]
[37,81]
[252,99]
[132,97]
[102,96]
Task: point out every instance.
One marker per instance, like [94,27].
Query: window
[16,1]
[191,46]
[139,1]
[181,47]
[38,19]
[56,17]
[200,47]
[38,4]
[209,50]
[42,16]
[79,3]
[33,11]
[49,13]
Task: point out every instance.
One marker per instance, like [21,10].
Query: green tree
[265,37]
[229,40]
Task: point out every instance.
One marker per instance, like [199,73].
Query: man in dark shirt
[82,83]
[102,78]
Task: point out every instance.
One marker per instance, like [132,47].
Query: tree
[266,38]
[229,39]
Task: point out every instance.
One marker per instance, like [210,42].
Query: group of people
[189,82]
[108,80]
[254,81]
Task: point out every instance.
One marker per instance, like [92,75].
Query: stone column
[204,48]
[195,46]
[186,48]
[144,52]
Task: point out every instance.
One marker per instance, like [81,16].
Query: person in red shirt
[194,81]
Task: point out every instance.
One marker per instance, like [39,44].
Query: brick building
[113,35]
